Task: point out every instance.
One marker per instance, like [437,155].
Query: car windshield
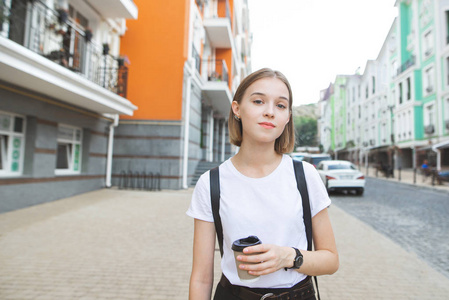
[341,167]
[298,157]
[316,160]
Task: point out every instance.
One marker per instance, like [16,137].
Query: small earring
[237,118]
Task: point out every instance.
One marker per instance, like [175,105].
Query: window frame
[73,166]
[10,148]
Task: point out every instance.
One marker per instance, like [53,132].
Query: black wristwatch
[297,262]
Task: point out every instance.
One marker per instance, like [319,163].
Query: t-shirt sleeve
[200,206]
[318,196]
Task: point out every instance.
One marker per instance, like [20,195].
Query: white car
[298,155]
[341,175]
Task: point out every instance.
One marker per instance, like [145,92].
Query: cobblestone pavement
[113,244]
[415,218]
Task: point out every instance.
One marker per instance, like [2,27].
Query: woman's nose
[269,111]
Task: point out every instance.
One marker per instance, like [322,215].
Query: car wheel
[360,191]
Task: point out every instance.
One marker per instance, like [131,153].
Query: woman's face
[264,110]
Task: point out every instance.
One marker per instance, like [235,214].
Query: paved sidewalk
[114,244]
[407,176]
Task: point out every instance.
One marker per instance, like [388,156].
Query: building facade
[397,111]
[63,84]
[188,57]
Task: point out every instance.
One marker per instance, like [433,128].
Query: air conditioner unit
[429,129]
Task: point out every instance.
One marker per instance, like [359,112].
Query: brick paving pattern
[115,244]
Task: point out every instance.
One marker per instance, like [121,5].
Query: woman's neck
[256,162]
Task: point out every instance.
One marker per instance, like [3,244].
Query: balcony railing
[54,35]
[406,65]
[197,58]
[217,70]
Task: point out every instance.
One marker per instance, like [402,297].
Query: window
[428,80]
[447,26]
[374,84]
[394,68]
[12,133]
[400,93]
[409,89]
[366,92]
[68,156]
[428,43]
[429,121]
[446,114]
[447,70]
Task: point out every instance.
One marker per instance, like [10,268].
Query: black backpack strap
[215,203]
[302,187]
[307,214]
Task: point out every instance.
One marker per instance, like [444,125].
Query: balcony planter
[63,15]
[429,129]
[88,35]
[105,49]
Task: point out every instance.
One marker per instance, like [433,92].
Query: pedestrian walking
[259,199]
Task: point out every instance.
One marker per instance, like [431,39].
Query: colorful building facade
[398,109]
[63,83]
[188,58]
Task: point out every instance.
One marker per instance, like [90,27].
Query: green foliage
[305,131]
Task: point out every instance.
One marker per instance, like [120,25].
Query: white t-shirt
[269,207]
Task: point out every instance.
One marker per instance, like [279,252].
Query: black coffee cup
[238,247]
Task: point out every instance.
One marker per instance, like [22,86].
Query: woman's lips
[267,125]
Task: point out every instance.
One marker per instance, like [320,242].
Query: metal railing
[406,65]
[197,58]
[217,70]
[140,181]
[52,34]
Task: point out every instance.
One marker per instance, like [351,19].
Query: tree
[305,131]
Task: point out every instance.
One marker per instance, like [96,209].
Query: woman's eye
[257,101]
[282,106]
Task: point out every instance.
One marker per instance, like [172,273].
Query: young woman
[259,196]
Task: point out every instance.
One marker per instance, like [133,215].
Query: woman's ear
[235,108]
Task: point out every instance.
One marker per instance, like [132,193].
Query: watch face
[298,261]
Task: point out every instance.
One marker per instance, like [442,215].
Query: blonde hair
[285,143]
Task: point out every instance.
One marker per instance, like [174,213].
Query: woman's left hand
[268,258]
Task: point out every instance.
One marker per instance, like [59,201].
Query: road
[415,218]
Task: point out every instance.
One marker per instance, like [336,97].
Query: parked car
[315,159]
[298,155]
[341,175]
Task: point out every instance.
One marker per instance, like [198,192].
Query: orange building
[187,58]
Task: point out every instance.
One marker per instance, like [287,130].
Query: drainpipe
[110,148]
[186,132]
[223,140]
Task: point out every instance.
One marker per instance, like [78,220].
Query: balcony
[115,8]
[218,28]
[406,65]
[429,129]
[216,88]
[44,51]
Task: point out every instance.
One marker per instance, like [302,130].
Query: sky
[313,41]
